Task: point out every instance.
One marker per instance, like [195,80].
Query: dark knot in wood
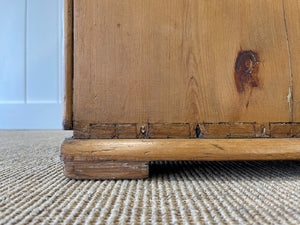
[246,69]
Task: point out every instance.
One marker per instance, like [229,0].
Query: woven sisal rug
[33,190]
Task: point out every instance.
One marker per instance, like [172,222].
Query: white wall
[31,34]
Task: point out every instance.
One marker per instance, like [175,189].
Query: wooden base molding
[186,130]
[128,158]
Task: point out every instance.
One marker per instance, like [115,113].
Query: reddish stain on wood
[246,70]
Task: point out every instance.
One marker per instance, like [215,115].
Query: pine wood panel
[181,61]
[292,12]
[68,60]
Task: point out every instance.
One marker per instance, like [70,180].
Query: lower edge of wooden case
[129,158]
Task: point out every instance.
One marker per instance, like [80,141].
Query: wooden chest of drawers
[179,80]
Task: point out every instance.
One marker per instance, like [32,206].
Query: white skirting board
[31,116]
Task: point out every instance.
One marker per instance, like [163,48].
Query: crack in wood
[290,97]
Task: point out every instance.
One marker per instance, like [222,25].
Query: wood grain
[281,130]
[169,130]
[74,150]
[216,130]
[183,61]
[68,65]
[292,14]
[126,131]
[103,131]
[106,170]
[246,130]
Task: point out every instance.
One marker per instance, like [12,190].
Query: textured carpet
[33,190]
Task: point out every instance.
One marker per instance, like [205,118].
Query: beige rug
[33,190]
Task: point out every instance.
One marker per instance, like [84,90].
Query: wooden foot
[106,170]
[127,158]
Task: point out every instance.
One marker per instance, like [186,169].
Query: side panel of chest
[180,62]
